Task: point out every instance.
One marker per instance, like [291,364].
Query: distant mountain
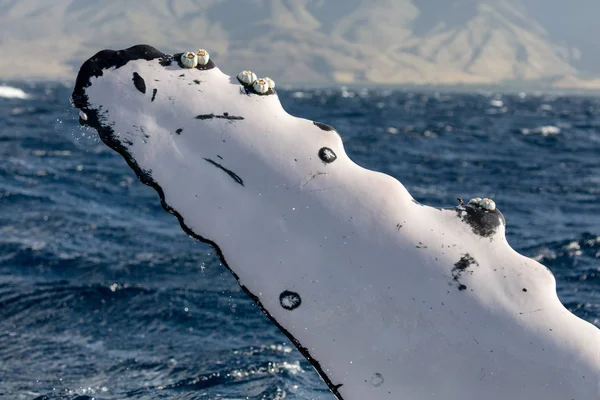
[573,25]
[310,41]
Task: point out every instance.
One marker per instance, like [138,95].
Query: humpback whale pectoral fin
[340,273]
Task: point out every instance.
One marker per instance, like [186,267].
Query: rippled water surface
[103,296]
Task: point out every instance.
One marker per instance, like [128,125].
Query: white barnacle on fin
[485,203]
[83,115]
[270,82]
[247,77]
[203,57]
[261,86]
[189,59]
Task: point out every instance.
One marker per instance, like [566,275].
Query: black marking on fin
[290,300]
[166,60]
[232,174]
[178,131]
[154,91]
[224,116]
[323,126]
[461,267]
[139,82]
[230,117]
[327,155]
[483,222]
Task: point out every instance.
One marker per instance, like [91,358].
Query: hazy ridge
[301,41]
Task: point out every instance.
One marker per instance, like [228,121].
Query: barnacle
[203,57]
[261,86]
[246,77]
[485,203]
[270,82]
[189,59]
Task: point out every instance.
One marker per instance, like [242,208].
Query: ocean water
[103,296]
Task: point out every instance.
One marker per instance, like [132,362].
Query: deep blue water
[103,295]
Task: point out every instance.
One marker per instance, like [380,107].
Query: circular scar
[327,155]
[377,379]
[290,300]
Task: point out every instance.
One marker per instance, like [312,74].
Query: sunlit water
[102,295]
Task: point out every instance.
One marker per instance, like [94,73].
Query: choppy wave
[541,130]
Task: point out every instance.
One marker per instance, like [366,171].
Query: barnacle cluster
[259,85]
[484,203]
[189,59]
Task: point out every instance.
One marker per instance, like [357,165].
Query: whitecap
[542,130]
[9,92]
[298,95]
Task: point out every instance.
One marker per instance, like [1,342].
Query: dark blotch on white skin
[327,155]
[323,126]
[232,174]
[224,116]
[483,222]
[289,300]
[462,267]
[139,83]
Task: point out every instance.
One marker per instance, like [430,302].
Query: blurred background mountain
[545,43]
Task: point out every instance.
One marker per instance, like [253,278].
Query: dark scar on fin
[139,82]
[154,91]
[323,126]
[290,300]
[224,116]
[327,155]
[461,267]
[232,174]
